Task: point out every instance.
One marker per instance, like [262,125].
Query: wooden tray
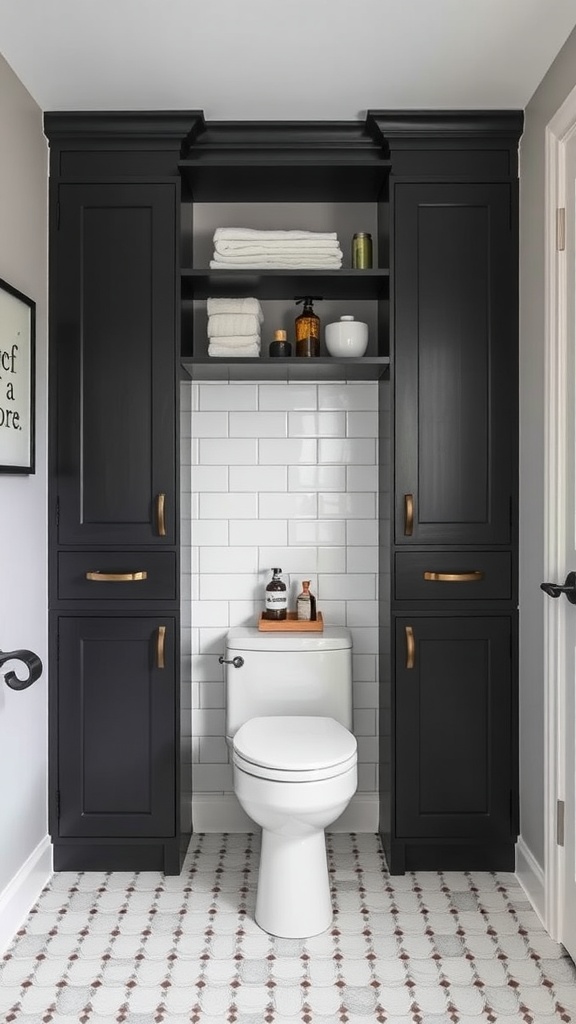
[291,624]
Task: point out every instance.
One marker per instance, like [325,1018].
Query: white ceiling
[282,59]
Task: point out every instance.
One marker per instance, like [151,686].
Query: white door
[568,698]
[561,529]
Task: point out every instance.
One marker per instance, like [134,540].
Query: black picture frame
[17,380]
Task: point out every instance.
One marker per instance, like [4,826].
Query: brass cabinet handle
[410,647]
[161,514]
[408,514]
[160,645]
[117,577]
[455,577]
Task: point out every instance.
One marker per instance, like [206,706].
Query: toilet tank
[288,674]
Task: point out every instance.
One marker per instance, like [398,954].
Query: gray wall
[23,550]
[553,90]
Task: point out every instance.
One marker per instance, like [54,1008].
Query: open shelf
[285,161]
[368,368]
[206,179]
[284,284]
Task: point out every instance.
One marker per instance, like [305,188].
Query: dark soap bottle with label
[276,597]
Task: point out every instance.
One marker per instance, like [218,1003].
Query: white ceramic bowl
[347,338]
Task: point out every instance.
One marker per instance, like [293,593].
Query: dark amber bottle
[307,328]
[276,597]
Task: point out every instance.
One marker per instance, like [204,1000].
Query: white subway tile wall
[277,474]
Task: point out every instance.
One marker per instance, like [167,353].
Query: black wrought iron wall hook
[32,663]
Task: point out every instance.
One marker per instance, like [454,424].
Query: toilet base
[293,900]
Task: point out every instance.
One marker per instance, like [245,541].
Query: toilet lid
[292,745]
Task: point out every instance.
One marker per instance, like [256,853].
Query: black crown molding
[394,126]
[127,126]
[315,141]
[302,141]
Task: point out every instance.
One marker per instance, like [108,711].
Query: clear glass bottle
[276,597]
[306,604]
[307,328]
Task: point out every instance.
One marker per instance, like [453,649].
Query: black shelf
[368,368]
[285,284]
[287,161]
[251,182]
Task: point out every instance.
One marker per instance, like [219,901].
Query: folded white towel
[263,247]
[276,263]
[248,305]
[236,341]
[253,234]
[240,351]
[221,325]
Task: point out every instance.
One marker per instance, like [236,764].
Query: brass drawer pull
[408,514]
[117,577]
[455,577]
[160,645]
[410,647]
[161,514]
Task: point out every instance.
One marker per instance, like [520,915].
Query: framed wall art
[17,361]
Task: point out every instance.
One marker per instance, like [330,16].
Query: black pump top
[308,300]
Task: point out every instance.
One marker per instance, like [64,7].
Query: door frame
[560,129]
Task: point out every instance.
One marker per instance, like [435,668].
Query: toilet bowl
[289,717]
[294,776]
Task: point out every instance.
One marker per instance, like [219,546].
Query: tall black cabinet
[114,581]
[453,773]
[123,280]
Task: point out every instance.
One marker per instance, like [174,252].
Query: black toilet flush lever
[555,589]
[237,661]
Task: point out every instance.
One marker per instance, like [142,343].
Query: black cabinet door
[454,738]
[114,331]
[455,337]
[116,726]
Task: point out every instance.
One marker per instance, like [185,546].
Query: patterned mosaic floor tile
[423,948]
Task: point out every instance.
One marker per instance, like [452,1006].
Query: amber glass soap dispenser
[307,327]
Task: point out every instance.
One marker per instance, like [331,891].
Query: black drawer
[453,576]
[117,576]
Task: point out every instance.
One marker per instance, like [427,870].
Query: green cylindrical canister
[362,251]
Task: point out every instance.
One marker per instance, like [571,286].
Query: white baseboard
[23,890]
[361,815]
[531,877]
[221,812]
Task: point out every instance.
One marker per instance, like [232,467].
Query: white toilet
[289,721]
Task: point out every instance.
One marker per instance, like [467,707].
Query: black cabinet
[116,725]
[455,737]
[117,778]
[449,797]
[454,274]
[114,344]
[124,283]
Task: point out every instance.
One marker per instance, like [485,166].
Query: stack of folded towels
[250,248]
[234,327]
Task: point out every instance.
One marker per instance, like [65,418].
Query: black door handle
[555,589]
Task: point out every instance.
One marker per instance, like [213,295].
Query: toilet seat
[294,748]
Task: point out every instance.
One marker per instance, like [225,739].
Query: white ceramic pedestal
[293,899]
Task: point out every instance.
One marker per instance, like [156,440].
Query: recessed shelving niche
[285,176]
